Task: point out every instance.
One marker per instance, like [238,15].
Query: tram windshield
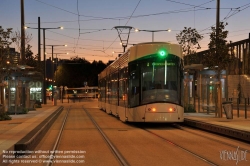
[156,80]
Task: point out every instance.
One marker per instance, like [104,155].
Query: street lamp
[52,46]
[122,32]
[138,30]
[44,57]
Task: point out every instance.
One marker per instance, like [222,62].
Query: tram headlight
[171,109]
[152,109]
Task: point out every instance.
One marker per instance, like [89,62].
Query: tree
[218,58]
[76,71]
[189,39]
[30,59]
[5,41]
[17,36]
[5,62]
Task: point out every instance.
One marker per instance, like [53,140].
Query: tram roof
[137,51]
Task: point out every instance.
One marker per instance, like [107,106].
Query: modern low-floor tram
[145,84]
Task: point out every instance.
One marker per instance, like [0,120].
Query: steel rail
[182,148]
[114,150]
[50,160]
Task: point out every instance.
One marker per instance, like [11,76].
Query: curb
[31,140]
[226,131]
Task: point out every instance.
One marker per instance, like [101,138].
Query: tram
[145,84]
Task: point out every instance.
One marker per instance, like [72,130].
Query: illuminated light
[162,53]
[12,89]
[153,109]
[171,109]
[35,89]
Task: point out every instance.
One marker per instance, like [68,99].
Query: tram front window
[160,82]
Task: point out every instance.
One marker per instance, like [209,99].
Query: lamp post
[138,30]
[123,31]
[44,57]
[52,47]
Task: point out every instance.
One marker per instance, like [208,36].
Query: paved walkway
[14,130]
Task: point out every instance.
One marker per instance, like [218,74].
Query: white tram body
[145,84]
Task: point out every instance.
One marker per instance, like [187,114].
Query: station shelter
[21,89]
[200,84]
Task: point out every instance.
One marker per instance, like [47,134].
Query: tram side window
[102,90]
[114,86]
[134,85]
[123,87]
[108,90]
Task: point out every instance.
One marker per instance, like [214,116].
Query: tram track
[121,157]
[184,149]
[210,137]
[115,151]
[217,139]
[49,162]
[109,141]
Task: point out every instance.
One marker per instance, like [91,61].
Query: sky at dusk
[89,24]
